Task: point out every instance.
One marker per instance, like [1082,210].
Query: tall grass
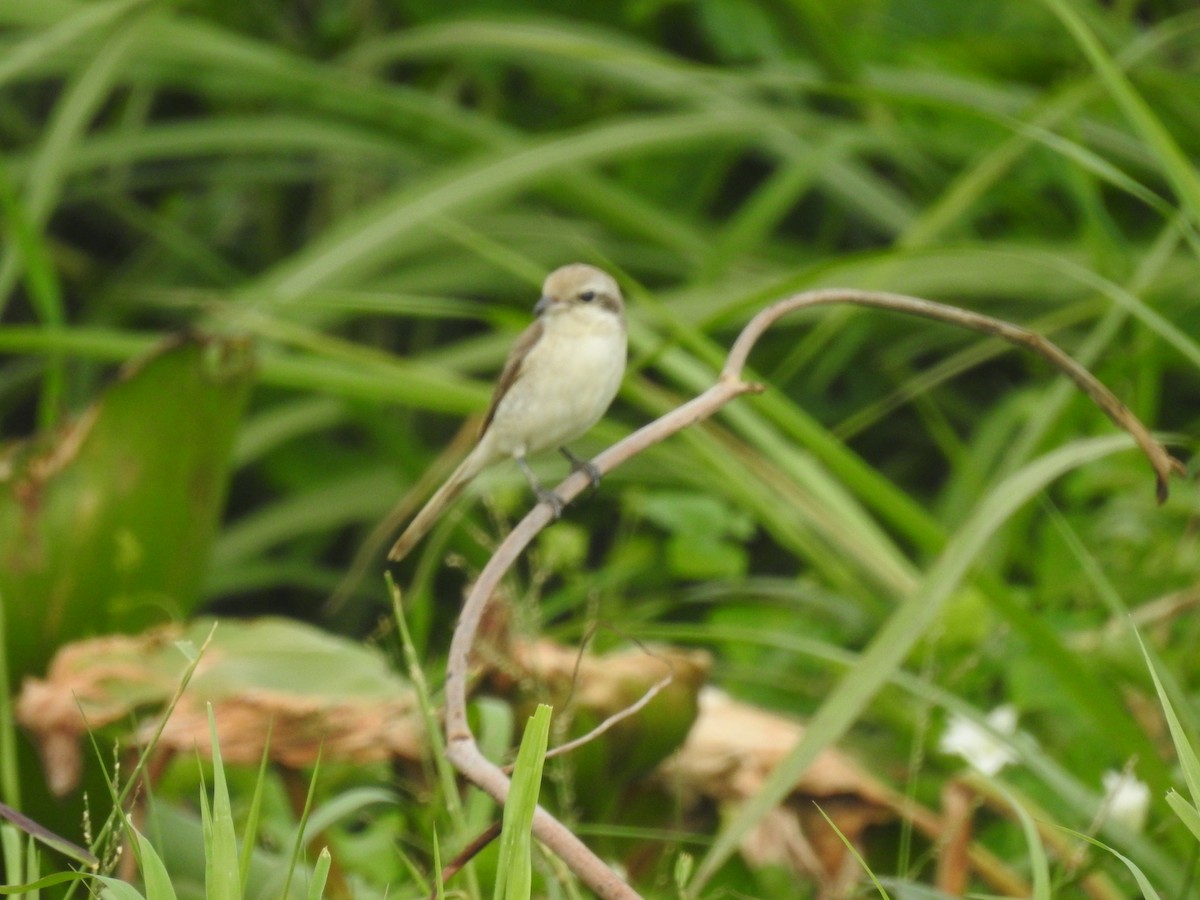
[373,192]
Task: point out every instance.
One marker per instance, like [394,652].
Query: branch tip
[1163,476]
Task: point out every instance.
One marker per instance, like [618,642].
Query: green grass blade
[154,873]
[29,246]
[1185,746]
[1187,813]
[1071,793]
[48,881]
[298,843]
[117,816]
[33,866]
[495,730]
[1139,876]
[105,344]
[1178,168]
[345,805]
[116,889]
[1036,850]
[853,851]
[10,777]
[379,232]
[446,776]
[222,876]
[43,46]
[514,878]
[445,772]
[439,887]
[253,815]
[47,837]
[12,845]
[907,625]
[70,119]
[316,887]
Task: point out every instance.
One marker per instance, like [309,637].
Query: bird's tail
[436,505]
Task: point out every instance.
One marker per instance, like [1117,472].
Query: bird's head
[579,284]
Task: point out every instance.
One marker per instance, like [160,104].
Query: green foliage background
[371,192]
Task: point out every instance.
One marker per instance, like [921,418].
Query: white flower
[982,749]
[1126,800]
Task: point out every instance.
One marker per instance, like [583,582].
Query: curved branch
[462,749]
[1163,463]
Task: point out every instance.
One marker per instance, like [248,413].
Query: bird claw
[584,465]
[545,495]
[592,472]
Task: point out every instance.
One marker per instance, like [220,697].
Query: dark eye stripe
[587,296]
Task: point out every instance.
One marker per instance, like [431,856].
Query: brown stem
[468,853]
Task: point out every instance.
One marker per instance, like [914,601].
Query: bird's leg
[545,495]
[586,465]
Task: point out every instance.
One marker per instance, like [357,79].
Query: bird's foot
[545,495]
[585,465]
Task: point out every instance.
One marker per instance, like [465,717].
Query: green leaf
[1185,746]
[44,882]
[1034,846]
[109,524]
[222,871]
[299,838]
[439,887]
[48,837]
[254,813]
[154,873]
[115,889]
[1188,813]
[88,23]
[685,863]
[699,559]
[1139,876]
[514,880]
[316,887]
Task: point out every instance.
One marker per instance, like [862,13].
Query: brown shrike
[559,378]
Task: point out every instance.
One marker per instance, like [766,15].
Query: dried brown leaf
[730,752]
[312,692]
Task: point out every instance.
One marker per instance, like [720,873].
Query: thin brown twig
[461,747]
[615,719]
[631,710]
[588,636]
[468,853]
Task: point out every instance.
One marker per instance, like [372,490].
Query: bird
[558,381]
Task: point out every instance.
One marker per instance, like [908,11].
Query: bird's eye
[587,296]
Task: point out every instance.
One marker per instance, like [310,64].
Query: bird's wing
[513,368]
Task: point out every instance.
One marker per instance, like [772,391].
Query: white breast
[567,383]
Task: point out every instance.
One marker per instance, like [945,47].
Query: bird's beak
[542,305]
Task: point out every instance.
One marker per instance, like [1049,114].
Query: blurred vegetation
[363,197]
